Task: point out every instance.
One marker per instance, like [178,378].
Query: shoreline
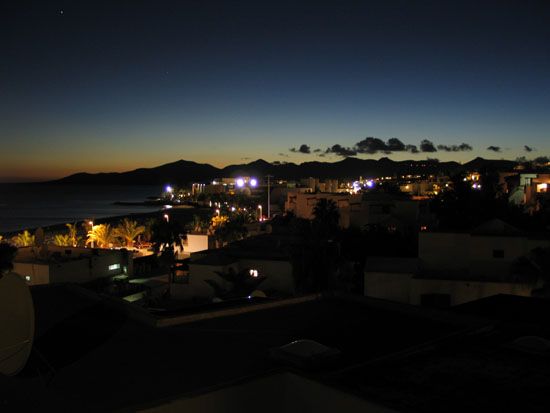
[179,213]
[61,227]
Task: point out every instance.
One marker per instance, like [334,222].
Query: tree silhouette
[74,238]
[240,284]
[165,235]
[128,231]
[326,218]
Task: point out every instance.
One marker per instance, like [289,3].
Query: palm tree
[128,231]
[102,235]
[148,229]
[232,230]
[326,217]
[166,235]
[74,238]
[62,240]
[23,239]
[199,225]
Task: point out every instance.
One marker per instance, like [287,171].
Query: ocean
[38,205]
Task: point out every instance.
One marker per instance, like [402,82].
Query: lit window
[27,277]
[113,267]
[253,273]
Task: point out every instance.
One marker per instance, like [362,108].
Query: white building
[453,268]
[51,264]
[259,254]
[395,211]
[526,189]
[302,205]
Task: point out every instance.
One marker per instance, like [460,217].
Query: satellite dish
[16,324]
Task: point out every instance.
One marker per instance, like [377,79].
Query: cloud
[412,148]
[283,155]
[493,148]
[371,145]
[395,145]
[455,148]
[302,149]
[341,150]
[427,146]
[538,159]
[528,148]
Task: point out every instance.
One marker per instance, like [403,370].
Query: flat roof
[103,361]
[59,254]
[473,373]
[215,258]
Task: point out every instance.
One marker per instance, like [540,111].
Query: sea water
[38,205]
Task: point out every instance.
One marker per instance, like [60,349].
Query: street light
[91,223]
[269,196]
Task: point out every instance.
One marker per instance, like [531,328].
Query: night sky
[111,86]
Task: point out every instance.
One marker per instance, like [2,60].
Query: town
[305,207]
[239,245]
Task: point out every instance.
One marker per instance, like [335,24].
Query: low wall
[461,292]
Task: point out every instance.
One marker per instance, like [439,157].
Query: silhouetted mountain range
[182,172]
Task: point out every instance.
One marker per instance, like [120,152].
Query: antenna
[269,196]
[16,324]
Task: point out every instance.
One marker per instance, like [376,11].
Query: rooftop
[58,254]
[92,349]
[265,246]
[476,372]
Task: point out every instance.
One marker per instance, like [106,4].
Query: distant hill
[182,172]
[480,164]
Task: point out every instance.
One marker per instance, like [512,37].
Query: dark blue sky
[93,86]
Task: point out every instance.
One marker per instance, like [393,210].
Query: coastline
[61,227]
[182,215]
[30,205]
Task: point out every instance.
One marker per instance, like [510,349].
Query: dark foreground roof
[89,358]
